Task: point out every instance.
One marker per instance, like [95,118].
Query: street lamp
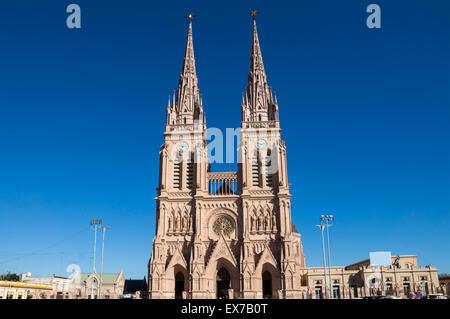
[95,223]
[322,227]
[327,221]
[104,229]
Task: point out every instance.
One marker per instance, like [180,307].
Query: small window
[255,171]
[176,174]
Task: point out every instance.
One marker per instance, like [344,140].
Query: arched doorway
[179,285]
[267,285]
[223,283]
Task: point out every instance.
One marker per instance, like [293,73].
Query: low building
[79,286]
[362,280]
[444,284]
[112,285]
[20,290]
[136,288]
[61,286]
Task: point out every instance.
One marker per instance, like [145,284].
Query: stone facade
[361,280]
[444,284]
[224,234]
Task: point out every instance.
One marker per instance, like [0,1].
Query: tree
[9,277]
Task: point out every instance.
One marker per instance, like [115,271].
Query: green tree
[9,277]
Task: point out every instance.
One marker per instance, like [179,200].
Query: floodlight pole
[94,222]
[321,226]
[328,219]
[104,229]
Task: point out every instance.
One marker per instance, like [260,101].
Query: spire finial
[190,16]
[253,13]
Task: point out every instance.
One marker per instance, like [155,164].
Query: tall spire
[258,105]
[187,106]
[256,61]
[188,69]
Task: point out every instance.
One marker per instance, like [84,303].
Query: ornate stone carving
[223,225]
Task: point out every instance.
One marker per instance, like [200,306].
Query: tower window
[255,171]
[190,173]
[267,169]
[176,174]
[269,177]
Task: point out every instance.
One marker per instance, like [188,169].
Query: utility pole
[104,229]
[94,222]
[322,227]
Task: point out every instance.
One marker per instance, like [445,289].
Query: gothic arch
[231,269]
[275,278]
[267,258]
[177,274]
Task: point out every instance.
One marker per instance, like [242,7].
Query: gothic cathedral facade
[224,234]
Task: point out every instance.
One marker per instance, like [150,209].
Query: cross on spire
[253,13]
[190,16]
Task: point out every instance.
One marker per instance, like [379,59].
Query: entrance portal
[267,285]
[179,285]
[223,283]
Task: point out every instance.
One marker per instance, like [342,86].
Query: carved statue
[261,222]
[267,222]
[184,223]
[274,222]
[253,222]
[177,225]
[191,226]
[170,223]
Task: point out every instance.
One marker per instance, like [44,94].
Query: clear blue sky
[365,115]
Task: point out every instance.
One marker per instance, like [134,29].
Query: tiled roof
[107,278]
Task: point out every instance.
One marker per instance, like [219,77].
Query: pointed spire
[256,61]
[187,107]
[259,99]
[188,68]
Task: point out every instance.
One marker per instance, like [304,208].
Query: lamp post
[104,229]
[322,227]
[95,223]
[327,221]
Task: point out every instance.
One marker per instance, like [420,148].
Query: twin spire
[187,106]
[258,103]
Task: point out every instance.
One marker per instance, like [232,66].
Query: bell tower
[266,200]
[182,177]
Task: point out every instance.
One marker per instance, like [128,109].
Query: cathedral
[224,234]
